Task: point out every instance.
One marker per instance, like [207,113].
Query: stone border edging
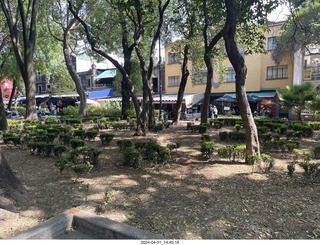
[101,228]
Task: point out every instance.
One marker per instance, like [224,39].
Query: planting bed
[188,198]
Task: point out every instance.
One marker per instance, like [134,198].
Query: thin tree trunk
[182,86]
[127,53]
[146,71]
[12,95]
[208,49]
[237,61]
[3,118]
[207,93]
[145,88]
[151,114]
[31,110]
[16,99]
[73,73]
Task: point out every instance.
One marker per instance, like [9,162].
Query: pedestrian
[215,112]
[211,112]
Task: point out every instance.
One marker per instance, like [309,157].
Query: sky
[279,14]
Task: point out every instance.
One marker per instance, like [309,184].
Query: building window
[277,72]
[173,58]
[38,76]
[272,43]
[199,77]
[39,88]
[229,75]
[174,81]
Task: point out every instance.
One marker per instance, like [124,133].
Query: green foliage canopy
[296,97]
[300,31]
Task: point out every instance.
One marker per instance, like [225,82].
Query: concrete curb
[49,229]
[103,228]
[94,225]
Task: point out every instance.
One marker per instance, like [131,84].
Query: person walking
[211,112]
[215,112]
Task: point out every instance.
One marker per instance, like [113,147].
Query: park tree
[8,69]
[250,15]
[148,22]
[301,32]
[135,15]
[214,25]
[101,48]
[21,19]
[298,97]
[111,15]
[58,14]
[9,184]
[183,22]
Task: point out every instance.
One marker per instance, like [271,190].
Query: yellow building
[264,77]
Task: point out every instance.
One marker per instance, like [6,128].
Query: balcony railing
[311,73]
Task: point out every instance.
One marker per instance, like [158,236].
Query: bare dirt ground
[189,198]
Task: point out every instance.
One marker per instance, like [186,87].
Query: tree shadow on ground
[189,200]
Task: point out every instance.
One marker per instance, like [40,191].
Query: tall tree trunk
[237,61]
[208,49]
[29,82]
[73,73]
[146,90]
[299,111]
[151,114]
[12,95]
[3,118]
[125,94]
[28,19]
[125,90]
[207,93]
[10,183]
[7,179]
[16,99]
[182,86]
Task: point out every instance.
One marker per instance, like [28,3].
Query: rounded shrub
[316,152]
[75,143]
[207,149]
[106,138]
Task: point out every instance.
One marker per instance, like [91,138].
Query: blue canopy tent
[101,94]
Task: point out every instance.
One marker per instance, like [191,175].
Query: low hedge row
[232,136]
[280,145]
[46,148]
[202,128]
